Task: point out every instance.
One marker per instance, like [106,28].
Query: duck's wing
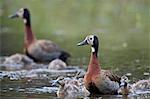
[50,46]
[47,45]
[42,56]
[45,50]
[112,76]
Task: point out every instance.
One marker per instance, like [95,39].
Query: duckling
[143,85]
[83,89]
[18,61]
[125,87]
[96,80]
[38,50]
[71,88]
[57,64]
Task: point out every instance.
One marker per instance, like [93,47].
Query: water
[37,82]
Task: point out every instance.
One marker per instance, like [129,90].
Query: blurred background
[121,25]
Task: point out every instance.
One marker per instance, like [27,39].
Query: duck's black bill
[82,43]
[13,16]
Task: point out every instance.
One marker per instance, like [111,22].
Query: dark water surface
[36,83]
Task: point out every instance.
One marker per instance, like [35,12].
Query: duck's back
[47,45]
[109,82]
[45,51]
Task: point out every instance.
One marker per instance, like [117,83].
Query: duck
[71,88]
[140,86]
[57,64]
[97,80]
[38,50]
[125,87]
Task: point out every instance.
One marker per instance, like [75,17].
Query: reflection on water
[50,92]
[36,82]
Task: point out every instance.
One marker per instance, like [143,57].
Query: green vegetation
[122,26]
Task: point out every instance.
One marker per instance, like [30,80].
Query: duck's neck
[29,36]
[94,66]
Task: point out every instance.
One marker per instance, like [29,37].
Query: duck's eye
[90,38]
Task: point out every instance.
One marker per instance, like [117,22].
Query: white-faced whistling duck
[38,50]
[96,80]
[125,87]
[135,88]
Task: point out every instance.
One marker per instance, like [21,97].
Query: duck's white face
[124,79]
[90,39]
[20,12]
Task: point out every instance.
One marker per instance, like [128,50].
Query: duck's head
[124,81]
[23,13]
[58,81]
[90,40]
